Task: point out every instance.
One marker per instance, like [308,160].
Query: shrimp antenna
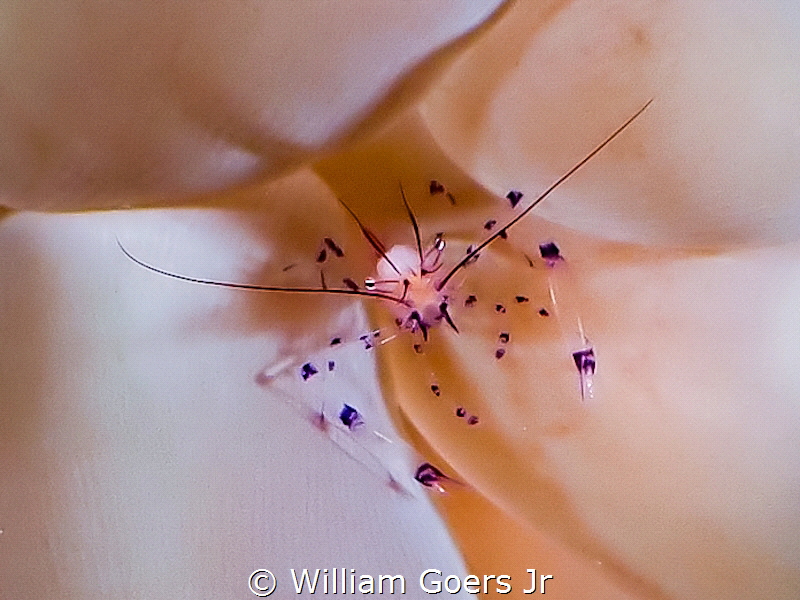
[373,240]
[263,288]
[414,224]
[502,230]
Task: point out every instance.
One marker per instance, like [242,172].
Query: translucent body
[418,287]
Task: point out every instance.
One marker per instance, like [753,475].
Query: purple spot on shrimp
[473,420]
[585,361]
[471,299]
[489,225]
[500,353]
[331,365]
[308,370]
[504,337]
[418,348]
[322,256]
[514,197]
[460,412]
[500,309]
[521,299]
[336,341]
[350,417]
[543,312]
[503,234]
[429,476]
[435,187]
[550,253]
[368,345]
[435,389]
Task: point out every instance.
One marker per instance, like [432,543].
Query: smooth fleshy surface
[722,135]
[108,104]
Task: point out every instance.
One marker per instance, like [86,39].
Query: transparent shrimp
[421,295]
